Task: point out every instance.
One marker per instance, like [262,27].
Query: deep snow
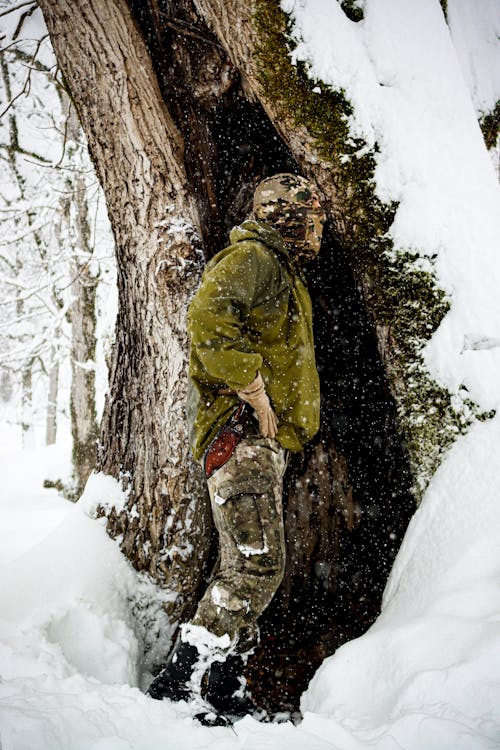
[426,676]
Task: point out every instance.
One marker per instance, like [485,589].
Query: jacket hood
[256,231]
[260,231]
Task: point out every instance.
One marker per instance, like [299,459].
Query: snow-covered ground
[426,676]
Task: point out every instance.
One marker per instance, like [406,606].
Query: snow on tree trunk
[27,427]
[82,315]
[51,422]
[137,152]
[83,411]
[26,369]
[5,386]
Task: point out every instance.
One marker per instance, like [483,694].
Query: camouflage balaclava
[289,203]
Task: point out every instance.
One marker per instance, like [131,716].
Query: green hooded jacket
[252,312]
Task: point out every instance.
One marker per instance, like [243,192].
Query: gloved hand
[255,394]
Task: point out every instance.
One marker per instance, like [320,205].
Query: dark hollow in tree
[347,498]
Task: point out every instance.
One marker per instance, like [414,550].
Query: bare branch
[11,282]
[24,16]
[24,90]
[17,7]
[65,136]
[8,263]
[23,152]
[33,293]
[29,61]
[31,231]
[27,84]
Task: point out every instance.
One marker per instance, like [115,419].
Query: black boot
[227,691]
[173,680]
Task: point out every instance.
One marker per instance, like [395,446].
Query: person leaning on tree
[254,398]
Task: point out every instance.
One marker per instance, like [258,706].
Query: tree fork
[333,508]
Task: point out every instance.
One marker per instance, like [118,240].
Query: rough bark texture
[138,155]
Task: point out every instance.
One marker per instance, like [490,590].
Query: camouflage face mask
[289,203]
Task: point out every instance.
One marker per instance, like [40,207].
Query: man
[255,397]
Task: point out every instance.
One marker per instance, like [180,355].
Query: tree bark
[51,421]
[137,151]
[27,430]
[83,343]
[82,315]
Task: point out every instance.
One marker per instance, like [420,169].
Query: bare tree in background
[47,264]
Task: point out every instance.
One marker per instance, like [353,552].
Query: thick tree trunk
[138,152]
[347,499]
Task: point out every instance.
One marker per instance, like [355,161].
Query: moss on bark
[490,126]
[353,9]
[400,288]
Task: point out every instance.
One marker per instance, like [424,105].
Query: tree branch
[17,7]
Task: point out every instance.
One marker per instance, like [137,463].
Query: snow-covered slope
[400,71]
[475,31]
[427,674]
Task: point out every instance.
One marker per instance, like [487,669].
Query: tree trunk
[5,386]
[83,410]
[51,421]
[137,151]
[26,369]
[82,315]
[27,428]
[194,143]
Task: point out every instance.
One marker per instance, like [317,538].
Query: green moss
[324,112]
[490,126]
[353,9]
[400,287]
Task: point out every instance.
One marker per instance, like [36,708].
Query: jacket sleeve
[218,313]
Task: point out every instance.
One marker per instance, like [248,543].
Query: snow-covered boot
[173,682]
[227,691]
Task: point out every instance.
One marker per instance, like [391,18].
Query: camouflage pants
[246,498]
